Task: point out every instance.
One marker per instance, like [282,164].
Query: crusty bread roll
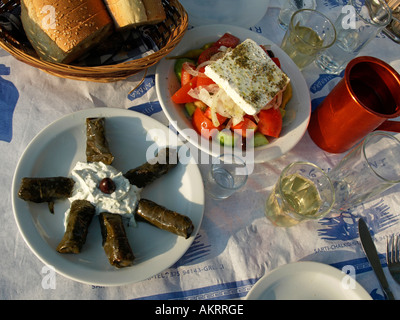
[63,30]
[155,11]
[126,13]
[133,13]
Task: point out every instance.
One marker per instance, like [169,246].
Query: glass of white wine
[303,192]
[309,33]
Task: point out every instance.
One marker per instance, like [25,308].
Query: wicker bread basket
[166,35]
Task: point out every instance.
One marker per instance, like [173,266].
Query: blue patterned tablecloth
[236,245]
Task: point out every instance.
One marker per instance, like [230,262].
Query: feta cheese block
[249,76]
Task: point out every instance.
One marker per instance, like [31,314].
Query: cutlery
[372,255]
[393,257]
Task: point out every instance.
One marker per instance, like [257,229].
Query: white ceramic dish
[298,109]
[54,152]
[306,281]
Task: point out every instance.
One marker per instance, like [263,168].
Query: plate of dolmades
[131,137]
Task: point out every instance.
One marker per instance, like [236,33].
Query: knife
[372,255]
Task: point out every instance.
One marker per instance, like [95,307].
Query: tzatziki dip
[122,199]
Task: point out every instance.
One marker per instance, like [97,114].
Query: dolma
[154,169]
[115,242]
[97,149]
[48,190]
[164,218]
[80,216]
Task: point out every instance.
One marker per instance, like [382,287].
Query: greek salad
[212,111]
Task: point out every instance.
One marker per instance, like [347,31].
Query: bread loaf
[126,13]
[155,11]
[133,13]
[63,30]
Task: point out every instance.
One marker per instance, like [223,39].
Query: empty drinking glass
[358,24]
[369,169]
[227,175]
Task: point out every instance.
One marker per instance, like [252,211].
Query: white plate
[307,281]
[54,152]
[298,110]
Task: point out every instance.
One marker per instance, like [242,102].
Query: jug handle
[389,125]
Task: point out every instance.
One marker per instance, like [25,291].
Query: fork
[393,257]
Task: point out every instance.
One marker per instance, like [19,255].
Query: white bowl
[298,109]
[243,13]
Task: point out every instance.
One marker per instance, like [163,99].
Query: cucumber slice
[178,66]
[227,138]
[190,108]
[260,140]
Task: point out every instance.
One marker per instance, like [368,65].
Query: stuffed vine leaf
[97,149]
[115,242]
[154,169]
[164,218]
[80,216]
[48,190]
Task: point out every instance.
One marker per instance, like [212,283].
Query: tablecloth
[236,245]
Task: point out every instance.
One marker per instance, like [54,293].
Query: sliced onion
[267,46]
[214,117]
[256,118]
[212,88]
[204,64]
[194,93]
[201,94]
[219,102]
[279,100]
[229,124]
[214,108]
[188,68]
[205,96]
[225,106]
[236,120]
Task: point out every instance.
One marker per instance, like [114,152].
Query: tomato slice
[270,122]
[243,127]
[277,61]
[271,55]
[185,75]
[207,54]
[267,51]
[202,124]
[227,40]
[204,81]
[221,119]
[182,96]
